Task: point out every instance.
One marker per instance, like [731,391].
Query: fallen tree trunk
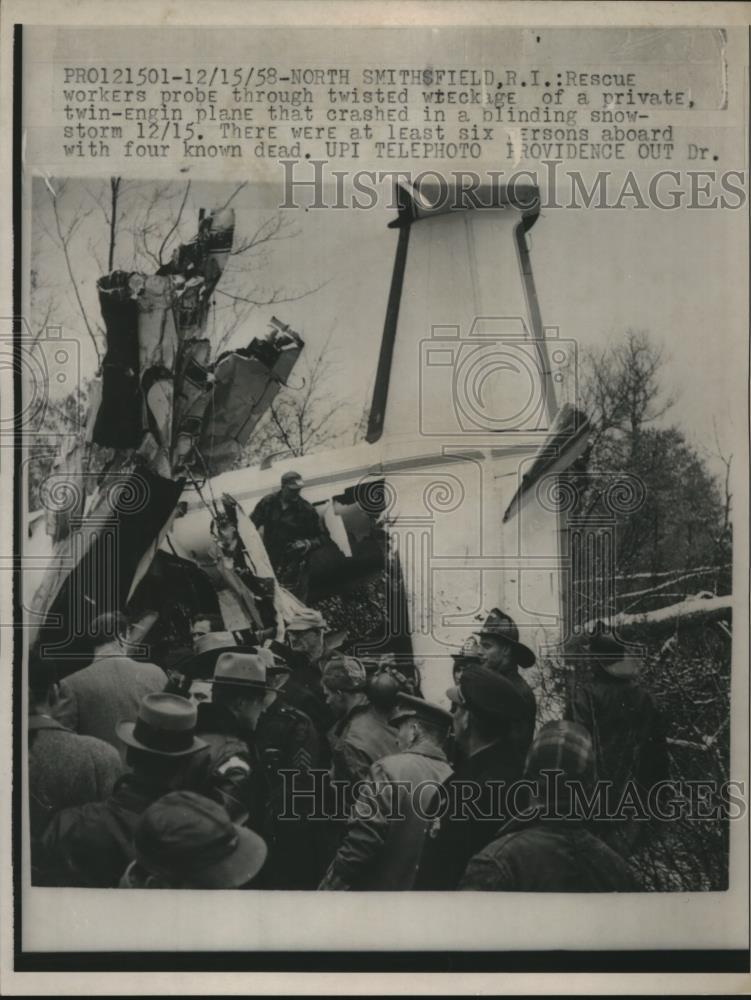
[694,612]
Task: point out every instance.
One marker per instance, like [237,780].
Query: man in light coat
[362,734]
[111,688]
[386,832]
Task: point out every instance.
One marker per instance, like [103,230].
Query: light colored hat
[306,619]
[207,649]
[166,725]
[344,673]
[244,669]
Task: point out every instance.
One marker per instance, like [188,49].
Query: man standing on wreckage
[162,415]
[291,530]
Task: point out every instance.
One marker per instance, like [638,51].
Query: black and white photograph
[377,466]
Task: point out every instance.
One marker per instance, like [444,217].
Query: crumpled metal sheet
[244,388]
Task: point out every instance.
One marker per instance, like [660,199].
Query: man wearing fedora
[501,650]
[626,726]
[485,706]
[91,845]
[291,530]
[239,694]
[386,832]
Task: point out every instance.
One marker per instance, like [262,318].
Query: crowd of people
[293,765]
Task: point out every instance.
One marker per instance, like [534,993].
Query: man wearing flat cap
[501,651]
[386,832]
[91,845]
[291,531]
[485,706]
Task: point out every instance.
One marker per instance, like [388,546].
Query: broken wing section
[245,384]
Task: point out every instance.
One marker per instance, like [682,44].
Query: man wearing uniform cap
[485,706]
[291,531]
[386,832]
[362,734]
[552,849]
[626,726]
[502,651]
[239,694]
[91,845]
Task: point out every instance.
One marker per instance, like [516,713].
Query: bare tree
[63,236]
[143,223]
[304,417]
[723,530]
[620,388]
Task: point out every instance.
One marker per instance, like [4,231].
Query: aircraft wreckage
[467,420]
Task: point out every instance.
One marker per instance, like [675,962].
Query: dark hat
[278,666]
[283,653]
[408,706]
[292,479]
[246,670]
[166,725]
[207,649]
[280,662]
[470,652]
[192,840]
[614,656]
[344,673]
[385,681]
[488,694]
[502,627]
